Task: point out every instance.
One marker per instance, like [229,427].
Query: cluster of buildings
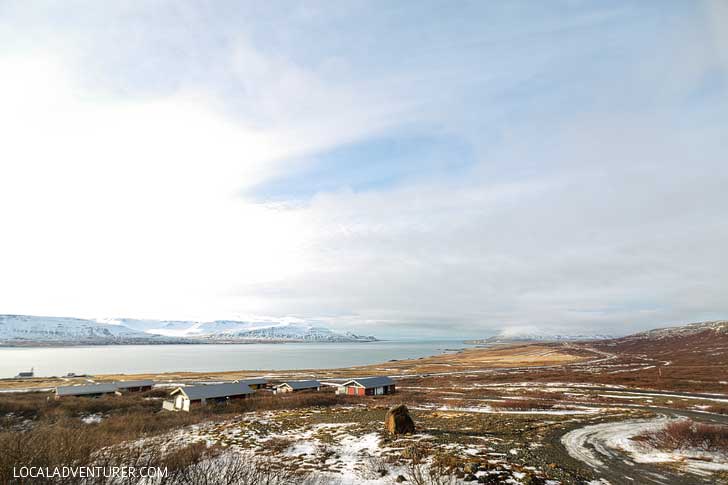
[184,398]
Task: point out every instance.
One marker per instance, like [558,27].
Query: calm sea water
[132,359]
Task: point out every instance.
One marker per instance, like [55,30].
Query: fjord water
[132,359]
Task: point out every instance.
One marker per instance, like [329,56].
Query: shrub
[717,409]
[687,434]
[421,471]
[295,400]
[546,395]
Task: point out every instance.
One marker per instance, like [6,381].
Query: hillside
[697,344]
[691,357]
[294,332]
[510,337]
[23,329]
[34,330]
[701,332]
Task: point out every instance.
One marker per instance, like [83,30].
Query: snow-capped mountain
[22,329]
[28,329]
[515,336]
[229,330]
[716,328]
[296,332]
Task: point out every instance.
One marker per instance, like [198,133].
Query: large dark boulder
[399,421]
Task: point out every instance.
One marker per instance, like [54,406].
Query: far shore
[181,341]
[461,361]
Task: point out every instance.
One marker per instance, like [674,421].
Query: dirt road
[597,446]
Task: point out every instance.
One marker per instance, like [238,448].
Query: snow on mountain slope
[717,328]
[234,329]
[298,332]
[510,336]
[22,328]
[230,326]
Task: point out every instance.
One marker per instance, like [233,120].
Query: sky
[395,168]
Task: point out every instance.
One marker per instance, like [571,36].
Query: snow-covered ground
[346,453]
[490,410]
[598,444]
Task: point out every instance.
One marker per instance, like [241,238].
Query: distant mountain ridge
[696,346]
[704,330]
[504,337]
[29,330]
[717,327]
[299,332]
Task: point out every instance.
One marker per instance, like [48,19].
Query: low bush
[717,409]
[687,434]
[295,400]
[545,395]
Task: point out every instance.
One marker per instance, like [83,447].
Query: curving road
[598,447]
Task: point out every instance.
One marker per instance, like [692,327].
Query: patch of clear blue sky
[371,164]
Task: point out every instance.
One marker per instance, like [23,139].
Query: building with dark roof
[295,386]
[187,397]
[134,386]
[88,390]
[26,375]
[255,382]
[367,386]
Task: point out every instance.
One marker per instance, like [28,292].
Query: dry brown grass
[545,395]
[195,464]
[263,402]
[56,436]
[522,404]
[719,409]
[687,434]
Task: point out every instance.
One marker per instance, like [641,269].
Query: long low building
[88,390]
[295,386]
[186,397]
[96,390]
[135,386]
[367,386]
[255,382]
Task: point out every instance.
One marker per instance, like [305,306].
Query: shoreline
[472,359]
[380,352]
[62,345]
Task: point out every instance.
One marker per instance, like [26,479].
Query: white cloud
[597,198]
[128,206]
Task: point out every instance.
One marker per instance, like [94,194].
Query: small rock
[470,478]
[400,479]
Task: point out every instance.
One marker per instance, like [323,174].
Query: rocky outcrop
[399,421]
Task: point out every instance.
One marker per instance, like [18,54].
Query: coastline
[181,341]
[473,359]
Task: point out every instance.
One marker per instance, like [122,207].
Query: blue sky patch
[371,164]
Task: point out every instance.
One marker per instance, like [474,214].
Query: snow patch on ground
[490,410]
[597,444]
[92,419]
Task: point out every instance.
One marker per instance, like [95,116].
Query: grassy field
[485,414]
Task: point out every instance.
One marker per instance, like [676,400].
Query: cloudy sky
[418,168]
